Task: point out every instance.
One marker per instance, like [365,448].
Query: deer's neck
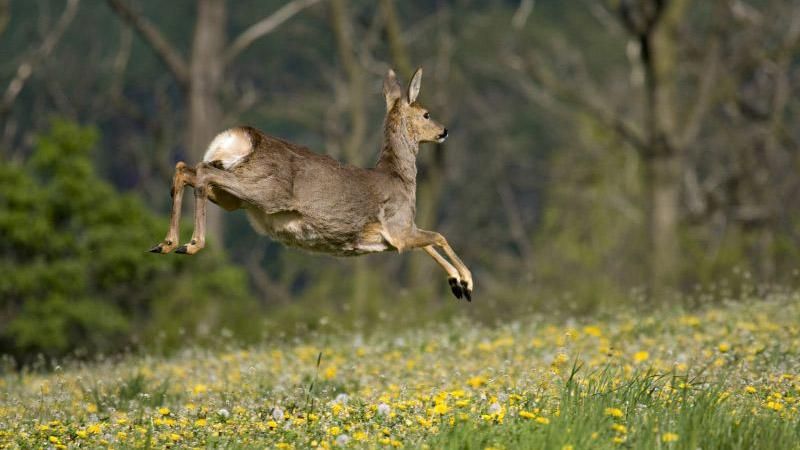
[399,153]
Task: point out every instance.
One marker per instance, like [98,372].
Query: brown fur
[311,201]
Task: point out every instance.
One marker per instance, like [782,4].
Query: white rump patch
[229,147]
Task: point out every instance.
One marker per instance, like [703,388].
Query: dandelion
[750,390]
[542,420]
[614,412]
[669,437]
[200,422]
[641,356]
[440,408]
[773,405]
[476,381]
[224,413]
[527,415]
[619,428]
[91,408]
[724,347]
[163,411]
[334,431]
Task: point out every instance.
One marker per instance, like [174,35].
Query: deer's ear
[391,89]
[413,87]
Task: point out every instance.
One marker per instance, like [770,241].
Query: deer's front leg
[183,176]
[463,284]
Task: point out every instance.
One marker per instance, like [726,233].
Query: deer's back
[302,198]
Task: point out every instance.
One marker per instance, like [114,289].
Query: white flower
[224,413]
[384,409]
[341,399]
[494,408]
[342,439]
[277,414]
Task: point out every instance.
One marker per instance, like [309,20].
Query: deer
[311,201]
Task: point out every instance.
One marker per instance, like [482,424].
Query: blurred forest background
[602,153]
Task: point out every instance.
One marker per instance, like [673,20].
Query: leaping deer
[307,200]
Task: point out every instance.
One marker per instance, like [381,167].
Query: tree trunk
[205,80]
[662,158]
[353,151]
[663,173]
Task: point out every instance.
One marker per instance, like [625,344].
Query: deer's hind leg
[183,175]
[219,185]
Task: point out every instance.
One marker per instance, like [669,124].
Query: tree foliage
[75,273]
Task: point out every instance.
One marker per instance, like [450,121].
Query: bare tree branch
[265,26]
[701,105]
[397,48]
[5,14]
[169,54]
[578,98]
[26,68]
[522,13]
[516,225]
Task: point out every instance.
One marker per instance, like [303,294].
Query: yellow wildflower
[441,408]
[641,356]
[614,412]
[476,381]
[669,437]
[592,330]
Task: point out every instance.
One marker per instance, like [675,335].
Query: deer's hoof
[455,287]
[163,247]
[467,290]
[190,249]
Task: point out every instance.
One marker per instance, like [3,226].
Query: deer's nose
[443,135]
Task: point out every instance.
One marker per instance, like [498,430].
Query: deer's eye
[427,115]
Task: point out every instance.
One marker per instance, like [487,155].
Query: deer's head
[404,112]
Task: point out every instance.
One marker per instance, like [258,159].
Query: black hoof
[467,291]
[455,287]
[181,250]
[156,249]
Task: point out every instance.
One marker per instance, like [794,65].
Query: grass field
[720,377]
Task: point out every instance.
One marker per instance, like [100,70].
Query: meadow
[725,376]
